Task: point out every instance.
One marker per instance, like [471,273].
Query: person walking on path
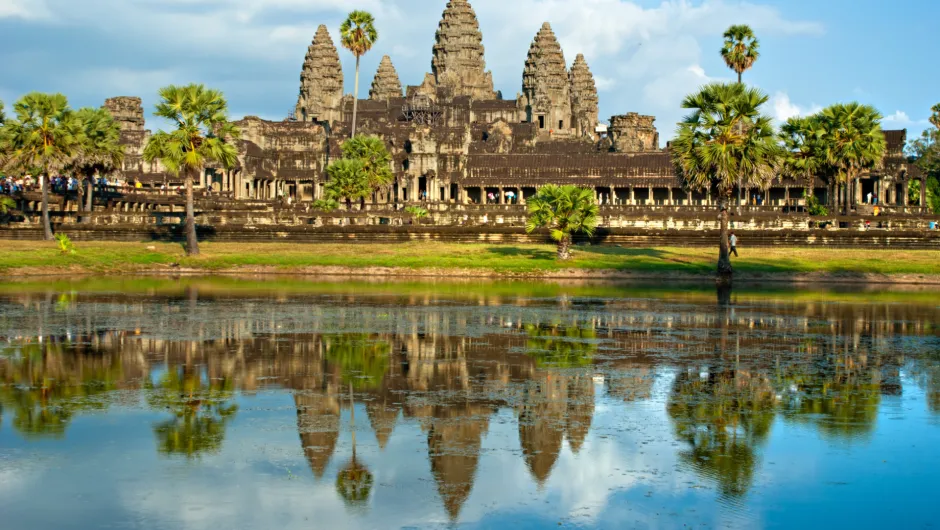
[734,244]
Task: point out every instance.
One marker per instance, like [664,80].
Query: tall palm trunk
[192,243]
[355,97]
[724,246]
[46,225]
[564,247]
[89,198]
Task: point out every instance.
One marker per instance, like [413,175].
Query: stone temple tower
[458,65]
[584,106]
[546,93]
[385,84]
[321,81]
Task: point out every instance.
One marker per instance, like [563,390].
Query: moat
[234,403]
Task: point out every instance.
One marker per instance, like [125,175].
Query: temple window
[561,124]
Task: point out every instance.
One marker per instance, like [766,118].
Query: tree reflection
[723,417]
[561,346]
[200,408]
[362,360]
[354,480]
[46,383]
[838,394]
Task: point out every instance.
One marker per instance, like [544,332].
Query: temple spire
[385,84]
[584,104]
[546,96]
[321,81]
[458,65]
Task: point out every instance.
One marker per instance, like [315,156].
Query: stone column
[672,201]
[632,196]
[650,199]
[906,190]
[923,191]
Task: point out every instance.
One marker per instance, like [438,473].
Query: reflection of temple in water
[450,369]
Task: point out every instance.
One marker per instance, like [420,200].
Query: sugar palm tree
[804,158]
[724,141]
[204,134]
[376,161]
[101,149]
[741,49]
[358,34]
[564,210]
[347,180]
[853,142]
[354,481]
[43,138]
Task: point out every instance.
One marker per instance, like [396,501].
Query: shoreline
[572,274]
[454,261]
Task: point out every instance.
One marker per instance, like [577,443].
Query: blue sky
[645,54]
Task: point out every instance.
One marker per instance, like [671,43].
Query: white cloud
[26,9]
[901,119]
[784,109]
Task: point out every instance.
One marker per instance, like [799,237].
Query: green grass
[24,257]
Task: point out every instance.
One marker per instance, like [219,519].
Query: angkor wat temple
[456,140]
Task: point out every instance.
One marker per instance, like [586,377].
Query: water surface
[225,403]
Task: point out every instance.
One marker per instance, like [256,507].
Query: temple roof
[458,57]
[385,84]
[545,66]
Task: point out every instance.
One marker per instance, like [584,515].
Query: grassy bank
[20,258]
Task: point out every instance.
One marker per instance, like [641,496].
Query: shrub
[417,212]
[65,244]
[814,207]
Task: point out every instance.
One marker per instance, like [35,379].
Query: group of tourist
[61,184]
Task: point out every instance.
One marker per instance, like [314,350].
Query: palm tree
[726,140]
[376,161]
[101,150]
[740,50]
[347,180]
[358,34]
[43,138]
[804,158]
[203,135]
[565,210]
[853,142]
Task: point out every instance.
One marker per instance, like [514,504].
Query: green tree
[375,159]
[741,49]
[43,138]
[347,180]
[101,149]
[3,116]
[924,153]
[203,135]
[561,346]
[804,157]
[724,141]
[361,360]
[564,210]
[358,35]
[852,142]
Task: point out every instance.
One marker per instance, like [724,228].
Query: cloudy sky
[645,54]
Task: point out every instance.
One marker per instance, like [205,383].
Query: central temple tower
[458,65]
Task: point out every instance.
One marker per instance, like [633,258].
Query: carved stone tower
[584,111]
[385,84]
[321,81]
[458,65]
[546,96]
[633,133]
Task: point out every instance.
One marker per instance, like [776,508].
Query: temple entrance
[454,192]
[422,189]
[541,122]
[475,195]
[528,193]
[868,186]
[491,195]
